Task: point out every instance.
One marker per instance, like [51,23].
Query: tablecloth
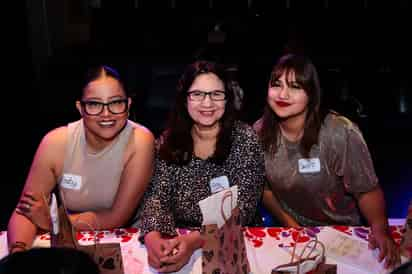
[266,246]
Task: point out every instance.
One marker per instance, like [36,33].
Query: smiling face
[206,113]
[104,127]
[287,98]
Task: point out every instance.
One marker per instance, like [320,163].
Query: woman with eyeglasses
[318,167]
[203,141]
[102,164]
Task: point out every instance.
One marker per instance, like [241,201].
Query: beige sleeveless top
[89,182]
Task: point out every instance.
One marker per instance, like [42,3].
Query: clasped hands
[35,207]
[169,255]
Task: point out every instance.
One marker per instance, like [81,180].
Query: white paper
[355,252]
[218,184]
[311,165]
[54,215]
[211,207]
[71,181]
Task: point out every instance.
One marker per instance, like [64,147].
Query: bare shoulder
[140,147]
[142,138]
[55,139]
[50,154]
[142,134]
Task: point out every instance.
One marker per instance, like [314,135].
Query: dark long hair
[177,142]
[307,77]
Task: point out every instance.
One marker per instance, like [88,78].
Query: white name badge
[71,181]
[218,184]
[311,165]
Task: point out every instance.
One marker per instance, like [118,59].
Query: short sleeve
[353,160]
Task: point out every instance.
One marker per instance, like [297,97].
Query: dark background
[363,56]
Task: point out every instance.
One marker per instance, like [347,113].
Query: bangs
[277,73]
[290,74]
[293,73]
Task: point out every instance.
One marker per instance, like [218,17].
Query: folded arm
[32,210]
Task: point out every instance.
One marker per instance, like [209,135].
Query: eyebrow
[110,98]
[214,90]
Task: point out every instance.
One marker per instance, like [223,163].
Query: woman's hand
[157,248]
[388,250]
[179,251]
[36,209]
[372,205]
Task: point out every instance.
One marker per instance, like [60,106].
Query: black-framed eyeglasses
[96,108]
[198,95]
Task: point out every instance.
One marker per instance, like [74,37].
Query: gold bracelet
[18,244]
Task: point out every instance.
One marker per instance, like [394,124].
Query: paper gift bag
[107,256]
[312,262]
[322,268]
[224,248]
[406,242]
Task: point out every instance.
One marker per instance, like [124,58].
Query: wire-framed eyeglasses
[198,95]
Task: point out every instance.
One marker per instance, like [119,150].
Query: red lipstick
[282,104]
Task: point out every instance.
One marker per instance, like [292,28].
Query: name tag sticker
[71,181]
[311,165]
[218,184]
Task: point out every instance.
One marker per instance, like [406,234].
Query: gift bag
[406,242]
[312,262]
[224,248]
[107,256]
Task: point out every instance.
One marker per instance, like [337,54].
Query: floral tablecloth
[265,246]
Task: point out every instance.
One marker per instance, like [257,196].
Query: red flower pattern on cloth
[79,235]
[258,235]
[265,241]
[45,237]
[343,228]
[132,230]
[257,231]
[120,234]
[255,235]
[299,237]
[396,234]
[275,232]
